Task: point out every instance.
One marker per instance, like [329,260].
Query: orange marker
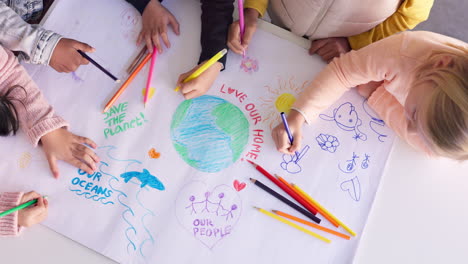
[297,219]
[127,82]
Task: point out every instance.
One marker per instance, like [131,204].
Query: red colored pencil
[285,188]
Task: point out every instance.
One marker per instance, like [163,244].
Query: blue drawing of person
[346,118]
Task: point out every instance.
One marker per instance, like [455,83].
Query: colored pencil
[240,6]
[324,239]
[98,66]
[310,203]
[286,127]
[127,82]
[204,67]
[137,60]
[150,74]
[297,219]
[285,200]
[323,209]
[285,188]
[19,207]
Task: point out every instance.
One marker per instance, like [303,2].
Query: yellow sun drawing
[280,99]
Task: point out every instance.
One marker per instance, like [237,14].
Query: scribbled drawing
[327,142]
[24,160]
[130,20]
[152,153]
[365,162]
[280,98]
[76,78]
[208,214]
[150,93]
[376,124]
[239,186]
[353,188]
[249,65]
[350,164]
[290,163]
[347,119]
[209,133]
[137,216]
[145,178]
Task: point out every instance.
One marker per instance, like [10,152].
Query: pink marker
[150,74]
[241,21]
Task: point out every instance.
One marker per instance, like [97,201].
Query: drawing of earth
[209,133]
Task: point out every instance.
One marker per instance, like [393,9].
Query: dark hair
[9,123]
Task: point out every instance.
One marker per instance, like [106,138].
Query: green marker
[19,207]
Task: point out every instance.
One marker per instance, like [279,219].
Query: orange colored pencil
[297,219]
[320,211]
[127,82]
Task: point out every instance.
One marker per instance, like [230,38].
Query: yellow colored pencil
[315,203]
[204,67]
[281,219]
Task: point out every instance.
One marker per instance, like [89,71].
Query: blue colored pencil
[291,139]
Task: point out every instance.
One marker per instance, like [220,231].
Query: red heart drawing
[230,90]
[239,185]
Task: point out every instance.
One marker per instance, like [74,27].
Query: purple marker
[291,139]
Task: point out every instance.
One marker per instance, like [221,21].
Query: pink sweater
[36,119]
[390,60]
[9,223]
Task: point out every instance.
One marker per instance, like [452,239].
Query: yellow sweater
[409,14]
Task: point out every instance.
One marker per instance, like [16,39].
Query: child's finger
[83,47]
[156,42]
[80,152]
[94,158]
[248,34]
[85,140]
[29,196]
[80,165]
[316,45]
[191,94]
[174,24]
[165,39]
[46,203]
[53,166]
[149,43]
[296,144]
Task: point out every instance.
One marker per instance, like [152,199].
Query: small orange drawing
[153,154]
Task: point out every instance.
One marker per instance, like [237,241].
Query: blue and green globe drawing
[209,133]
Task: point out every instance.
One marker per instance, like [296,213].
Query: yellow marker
[315,203]
[293,225]
[204,67]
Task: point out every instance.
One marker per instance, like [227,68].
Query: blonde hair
[446,116]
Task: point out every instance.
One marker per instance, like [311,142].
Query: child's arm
[376,62]
[38,120]
[9,223]
[216,18]
[34,43]
[409,14]
[37,45]
[389,109]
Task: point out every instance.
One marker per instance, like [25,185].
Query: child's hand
[329,48]
[202,83]
[65,57]
[155,20]
[250,26]
[61,144]
[34,214]
[280,136]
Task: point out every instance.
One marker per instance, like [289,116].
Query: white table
[419,215]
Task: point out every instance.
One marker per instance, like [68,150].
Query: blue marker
[291,139]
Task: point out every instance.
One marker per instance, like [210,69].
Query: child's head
[9,122]
[443,108]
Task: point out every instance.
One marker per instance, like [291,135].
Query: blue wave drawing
[94,197]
